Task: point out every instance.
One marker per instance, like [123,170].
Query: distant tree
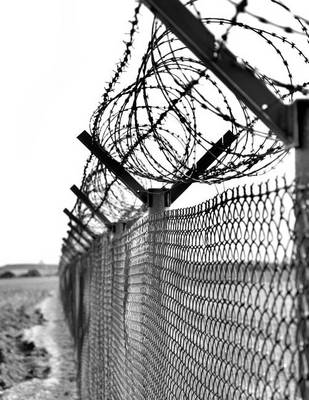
[7,274]
[33,273]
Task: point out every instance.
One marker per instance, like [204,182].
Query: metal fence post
[118,227]
[301,129]
[157,200]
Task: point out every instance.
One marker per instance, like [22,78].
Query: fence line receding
[207,302]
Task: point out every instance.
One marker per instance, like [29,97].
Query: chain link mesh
[207,302]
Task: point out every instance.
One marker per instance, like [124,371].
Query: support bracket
[204,162]
[80,233]
[113,166]
[79,223]
[85,199]
[239,79]
[77,240]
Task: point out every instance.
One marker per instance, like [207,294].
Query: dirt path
[53,336]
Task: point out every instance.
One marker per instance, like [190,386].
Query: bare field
[20,360]
[36,352]
[24,292]
[34,284]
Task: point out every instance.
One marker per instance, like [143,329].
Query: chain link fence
[207,302]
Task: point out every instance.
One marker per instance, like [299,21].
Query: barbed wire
[81,211]
[175,109]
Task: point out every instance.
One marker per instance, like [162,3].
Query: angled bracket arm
[79,223]
[68,247]
[80,233]
[67,251]
[204,162]
[240,80]
[77,240]
[85,199]
[113,166]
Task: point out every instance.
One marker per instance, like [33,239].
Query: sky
[56,56]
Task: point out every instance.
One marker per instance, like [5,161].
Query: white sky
[56,56]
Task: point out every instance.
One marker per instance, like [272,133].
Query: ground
[37,359]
